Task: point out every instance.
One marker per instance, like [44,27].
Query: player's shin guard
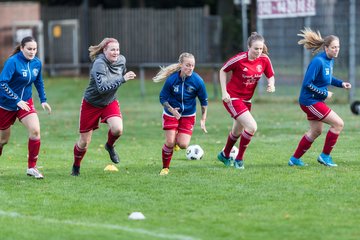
[78,155]
[330,141]
[231,140]
[304,145]
[167,153]
[244,142]
[111,139]
[33,152]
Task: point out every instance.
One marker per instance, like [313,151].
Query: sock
[78,155]
[33,152]
[111,139]
[229,144]
[304,145]
[244,142]
[167,153]
[330,141]
[1,150]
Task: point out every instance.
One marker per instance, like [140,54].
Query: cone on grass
[111,168]
[136,216]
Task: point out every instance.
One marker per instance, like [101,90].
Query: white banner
[285,8]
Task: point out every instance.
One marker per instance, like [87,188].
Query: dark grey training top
[105,79]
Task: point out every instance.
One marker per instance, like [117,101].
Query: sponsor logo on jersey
[259,68]
[35,72]
[176,88]
[250,81]
[327,71]
[190,89]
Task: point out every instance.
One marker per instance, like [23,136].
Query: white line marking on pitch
[98,225]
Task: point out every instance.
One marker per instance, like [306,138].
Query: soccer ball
[233,153]
[194,152]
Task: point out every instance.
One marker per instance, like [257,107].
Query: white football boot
[34,172]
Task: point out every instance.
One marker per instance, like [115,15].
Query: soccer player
[247,68]
[22,69]
[107,74]
[178,97]
[314,93]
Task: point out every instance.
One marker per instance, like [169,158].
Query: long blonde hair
[167,71]
[95,50]
[257,37]
[313,40]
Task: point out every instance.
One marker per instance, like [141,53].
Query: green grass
[198,199]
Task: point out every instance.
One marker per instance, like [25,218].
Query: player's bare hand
[226,97]
[175,112]
[270,88]
[23,105]
[129,75]
[46,107]
[202,125]
[330,94]
[346,85]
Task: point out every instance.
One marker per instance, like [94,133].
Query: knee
[34,133]
[84,143]
[252,129]
[3,142]
[183,145]
[315,133]
[339,125]
[170,144]
[116,132]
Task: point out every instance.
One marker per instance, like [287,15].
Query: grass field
[198,199]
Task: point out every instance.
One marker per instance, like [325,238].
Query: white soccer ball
[194,152]
[233,153]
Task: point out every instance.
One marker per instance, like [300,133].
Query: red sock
[111,139]
[330,141]
[78,155]
[229,144]
[304,145]
[33,151]
[167,153]
[244,142]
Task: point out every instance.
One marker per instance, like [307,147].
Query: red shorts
[317,111]
[90,115]
[183,125]
[8,118]
[236,107]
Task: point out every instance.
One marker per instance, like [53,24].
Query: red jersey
[246,74]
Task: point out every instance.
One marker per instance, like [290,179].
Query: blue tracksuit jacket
[16,81]
[182,94]
[317,77]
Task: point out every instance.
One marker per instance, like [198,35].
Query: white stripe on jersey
[244,55]
[235,59]
[266,56]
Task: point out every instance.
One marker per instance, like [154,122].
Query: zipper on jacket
[182,95]
[28,68]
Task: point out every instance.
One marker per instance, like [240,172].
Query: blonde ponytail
[311,40]
[165,72]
